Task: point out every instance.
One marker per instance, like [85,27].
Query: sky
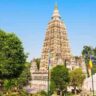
[28,19]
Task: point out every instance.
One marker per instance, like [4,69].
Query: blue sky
[29,19]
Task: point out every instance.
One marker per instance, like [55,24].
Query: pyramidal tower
[56,42]
[56,50]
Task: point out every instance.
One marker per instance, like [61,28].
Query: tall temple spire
[56,14]
[56,6]
[56,41]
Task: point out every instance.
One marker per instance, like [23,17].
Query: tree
[37,60]
[12,60]
[15,85]
[52,87]
[77,59]
[12,57]
[86,52]
[24,77]
[43,93]
[60,76]
[76,78]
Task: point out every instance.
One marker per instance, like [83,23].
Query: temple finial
[56,14]
[56,6]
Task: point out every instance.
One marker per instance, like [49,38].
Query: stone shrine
[56,48]
[56,42]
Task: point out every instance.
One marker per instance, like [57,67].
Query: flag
[49,61]
[90,66]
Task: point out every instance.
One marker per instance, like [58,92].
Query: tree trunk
[60,93]
[75,90]
[1,85]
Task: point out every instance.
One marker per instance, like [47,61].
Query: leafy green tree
[86,52]
[23,93]
[52,87]
[12,57]
[60,76]
[25,76]
[76,78]
[37,60]
[43,93]
[12,61]
[7,84]
[77,59]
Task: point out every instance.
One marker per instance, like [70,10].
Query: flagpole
[85,57]
[92,81]
[49,74]
[91,65]
[48,80]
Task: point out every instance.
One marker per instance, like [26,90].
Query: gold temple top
[56,6]
[56,14]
